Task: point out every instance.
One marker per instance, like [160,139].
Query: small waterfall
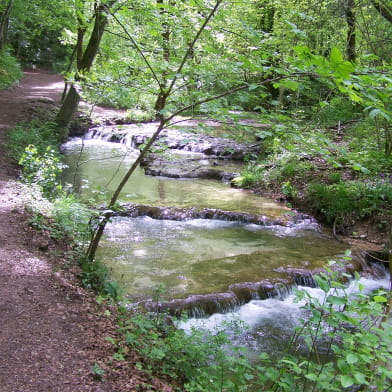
[240,294]
[267,324]
[248,291]
[183,213]
[196,305]
[107,134]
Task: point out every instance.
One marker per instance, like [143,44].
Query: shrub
[10,71]
[349,200]
[339,109]
[42,170]
[37,133]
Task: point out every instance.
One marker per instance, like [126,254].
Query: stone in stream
[185,213]
[208,145]
[182,166]
[242,293]
[195,305]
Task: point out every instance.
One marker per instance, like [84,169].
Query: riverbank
[54,333]
[48,317]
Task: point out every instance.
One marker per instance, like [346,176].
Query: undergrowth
[55,210]
[341,175]
[10,70]
[356,328]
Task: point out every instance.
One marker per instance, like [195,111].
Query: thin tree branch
[236,89]
[384,10]
[192,44]
[135,44]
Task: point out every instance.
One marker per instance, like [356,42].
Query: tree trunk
[160,102]
[68,108]
[351,35]
[4,23]
[85,60]
[384,10]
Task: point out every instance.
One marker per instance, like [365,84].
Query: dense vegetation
[318,73]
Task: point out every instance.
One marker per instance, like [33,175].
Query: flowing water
[101,165]
[205,256]
[196,256]
[199,256]
[267,325]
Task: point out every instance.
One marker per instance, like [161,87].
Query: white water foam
[281,313]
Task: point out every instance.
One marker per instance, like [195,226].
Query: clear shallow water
[192,257]
[205,256]
[89,174]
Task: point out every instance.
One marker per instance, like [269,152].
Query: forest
[307,82]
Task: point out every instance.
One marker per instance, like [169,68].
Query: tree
[5,12]
[351,35]
[383,9]
[85,55]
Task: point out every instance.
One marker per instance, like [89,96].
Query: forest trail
[51,331]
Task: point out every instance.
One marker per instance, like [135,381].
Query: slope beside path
[51,331]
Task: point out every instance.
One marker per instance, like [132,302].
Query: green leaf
[380,298]
[311,376]
[290,84]
[360,378]
[253,87]
[322,283]
[346,381]
[334,300]
[379,113]
[351,358]
[118,356]
[110,339]
[336,56]
[97,370]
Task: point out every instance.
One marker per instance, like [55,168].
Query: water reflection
[204,256]
[115,160]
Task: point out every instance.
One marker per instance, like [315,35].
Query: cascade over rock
[241,293]
[182,213]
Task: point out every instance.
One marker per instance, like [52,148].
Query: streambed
[194,256]
[216,269]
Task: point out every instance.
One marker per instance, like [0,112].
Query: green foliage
[97,371]
[356,334]
[195,360]
[350,200]
[42,170]
[72,218]
[38,133]
[10,71]
[94,275]
[64,217]
[35,31]
[338,110]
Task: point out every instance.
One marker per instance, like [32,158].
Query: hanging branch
[92,249]
[137,47]
[192,44]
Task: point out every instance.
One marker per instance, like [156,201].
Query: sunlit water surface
[199,256]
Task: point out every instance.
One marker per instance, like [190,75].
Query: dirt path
[51,331]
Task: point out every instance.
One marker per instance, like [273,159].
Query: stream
[242,266]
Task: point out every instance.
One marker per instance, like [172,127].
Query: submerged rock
[208,145]
[183,166]
[196,305]
[183,213]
